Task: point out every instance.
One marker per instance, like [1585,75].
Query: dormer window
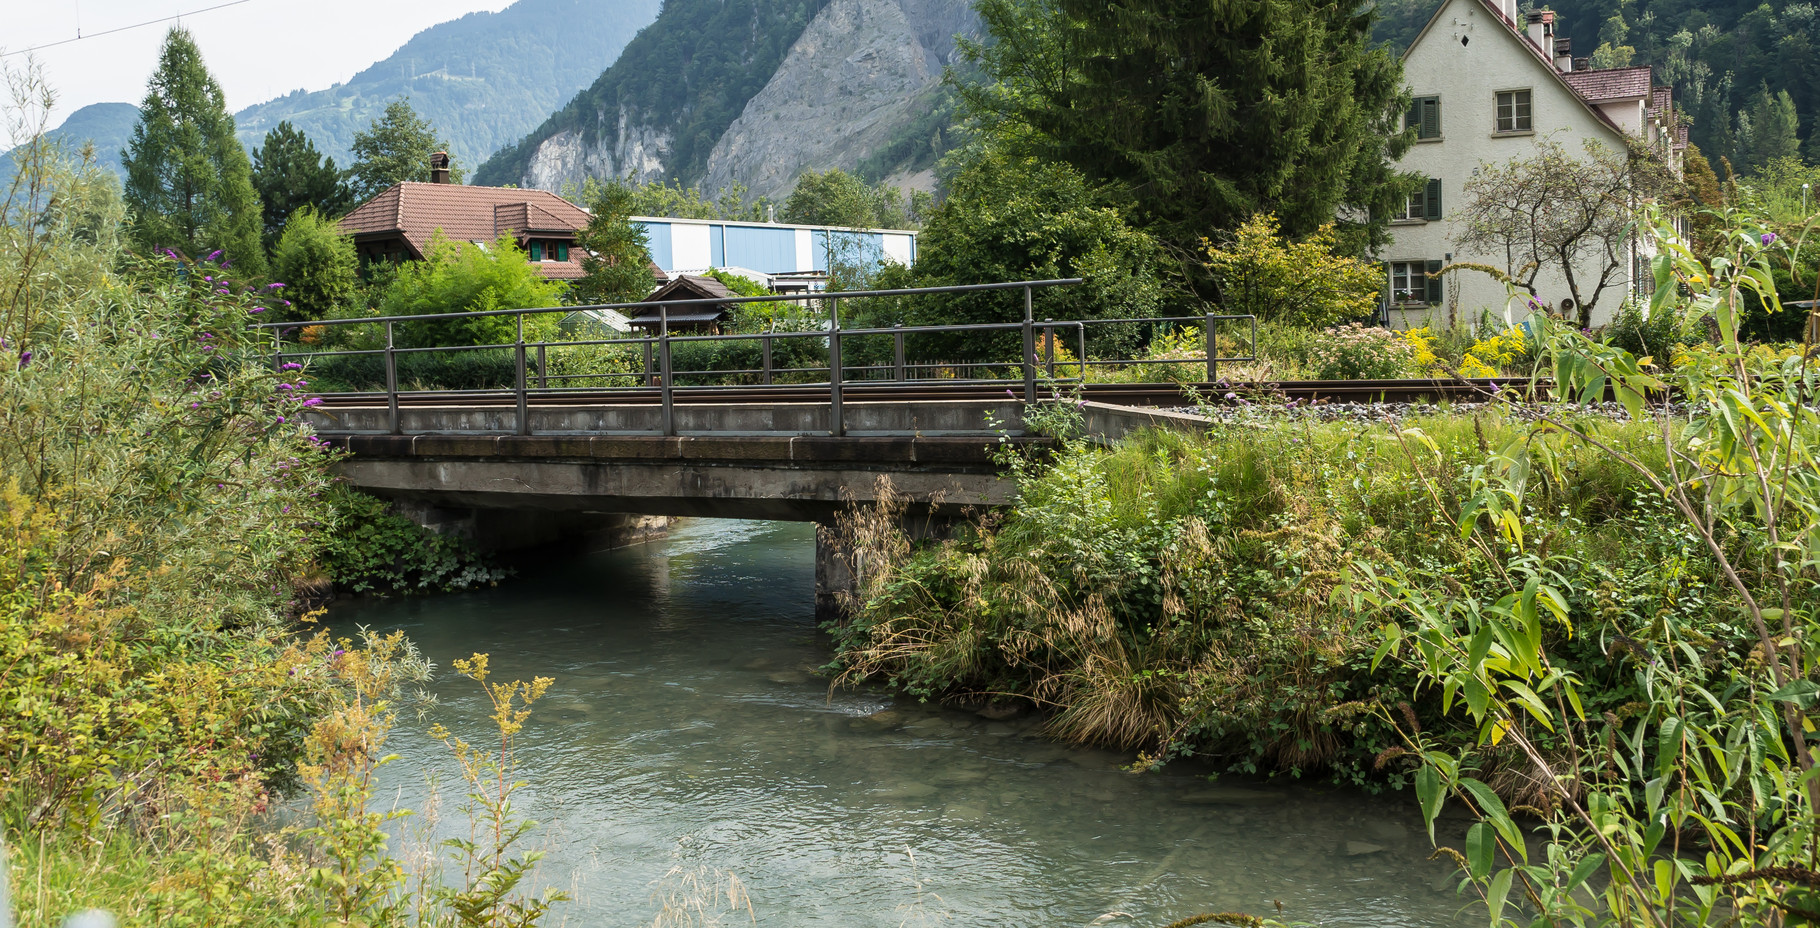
[536,251]
[1514,111]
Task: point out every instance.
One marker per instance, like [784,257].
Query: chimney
[1542,30]
[1509,9]
[1564,55]
[439,168]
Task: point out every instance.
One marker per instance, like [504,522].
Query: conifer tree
[615,253]
[188,182]
[397,147]
[289,174]
[317,264]
[1196,114]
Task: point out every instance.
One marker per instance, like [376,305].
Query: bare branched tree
[1564,212]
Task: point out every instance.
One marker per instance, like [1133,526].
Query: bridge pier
[837,573]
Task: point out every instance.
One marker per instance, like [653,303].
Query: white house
[1486,90]
[770,248]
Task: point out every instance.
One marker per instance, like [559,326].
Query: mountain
[719,92]
[483,80]
[107,125]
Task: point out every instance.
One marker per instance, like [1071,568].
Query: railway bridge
[627,437]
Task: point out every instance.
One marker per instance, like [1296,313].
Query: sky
[257,49]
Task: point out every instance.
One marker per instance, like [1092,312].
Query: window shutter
[1413,119]
[1431,118]
[1434,284]
[1388,296]
[536,251]
[1431,200]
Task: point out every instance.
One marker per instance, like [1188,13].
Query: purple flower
[274,286]
[313,401]
[286,386]
[292,366]
[256,310]
[213,255]
[280,420]
[1011,394]
[1767,238]
[1232,396]
[25,358]
[339,652]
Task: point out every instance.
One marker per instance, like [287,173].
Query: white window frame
[1522,115]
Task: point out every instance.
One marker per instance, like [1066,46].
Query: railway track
[1145,394]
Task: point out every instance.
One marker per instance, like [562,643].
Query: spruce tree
[1197,114]
[396,147]
[188,182]
[290,174]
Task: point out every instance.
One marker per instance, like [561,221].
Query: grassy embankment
[1186,594]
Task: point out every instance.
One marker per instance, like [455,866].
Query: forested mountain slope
[753,92]
[108,125]
[483,80]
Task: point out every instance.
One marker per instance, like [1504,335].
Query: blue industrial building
[679,245]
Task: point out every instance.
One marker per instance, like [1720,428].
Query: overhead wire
[95,35]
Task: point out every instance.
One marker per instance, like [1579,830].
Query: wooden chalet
[398,223]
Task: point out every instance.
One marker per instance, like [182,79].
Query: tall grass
[1187,594]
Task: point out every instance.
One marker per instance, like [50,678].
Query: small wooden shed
[698,318]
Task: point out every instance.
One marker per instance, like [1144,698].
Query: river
[687,729]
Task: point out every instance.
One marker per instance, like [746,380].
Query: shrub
[460,277]
[1357,352]
[375,550]
[1307,283]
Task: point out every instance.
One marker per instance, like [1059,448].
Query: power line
[150,22]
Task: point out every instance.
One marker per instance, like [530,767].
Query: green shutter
[1431,200]
[536,251]
[1413,119]
[1431,117]
[1435,295]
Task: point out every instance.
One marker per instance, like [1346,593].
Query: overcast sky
[258,49]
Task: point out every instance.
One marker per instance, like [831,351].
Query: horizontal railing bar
[712,301]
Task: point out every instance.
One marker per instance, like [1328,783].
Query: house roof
[416,211]
[1607,84]
[1546,61]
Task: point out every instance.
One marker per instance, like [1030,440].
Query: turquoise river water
[687,732]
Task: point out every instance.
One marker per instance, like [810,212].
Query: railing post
[518,349]
[837,426]
[391,383]
[277,350]
[1080,329]
[765,344]
[663,361]
[1049,347]
[648,371]
[543,369]
[897,354]
[1213,354]
[1029,350]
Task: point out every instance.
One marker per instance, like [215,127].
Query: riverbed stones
[789,677]
[1230,795]
[909,790]
[1362,848]
[964,812]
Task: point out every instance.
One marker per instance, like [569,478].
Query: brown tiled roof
[1662,99]
[416,211]
[1601,85]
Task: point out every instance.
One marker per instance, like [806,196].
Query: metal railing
[660,371]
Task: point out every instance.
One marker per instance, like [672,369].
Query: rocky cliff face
[857,75]
[861,72]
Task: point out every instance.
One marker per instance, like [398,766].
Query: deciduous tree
[188,182]
[1561,212]
[1263,273]
[396,148]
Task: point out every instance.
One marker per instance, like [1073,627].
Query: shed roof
[686,287]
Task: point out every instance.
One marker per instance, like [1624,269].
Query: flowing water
[687,728]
